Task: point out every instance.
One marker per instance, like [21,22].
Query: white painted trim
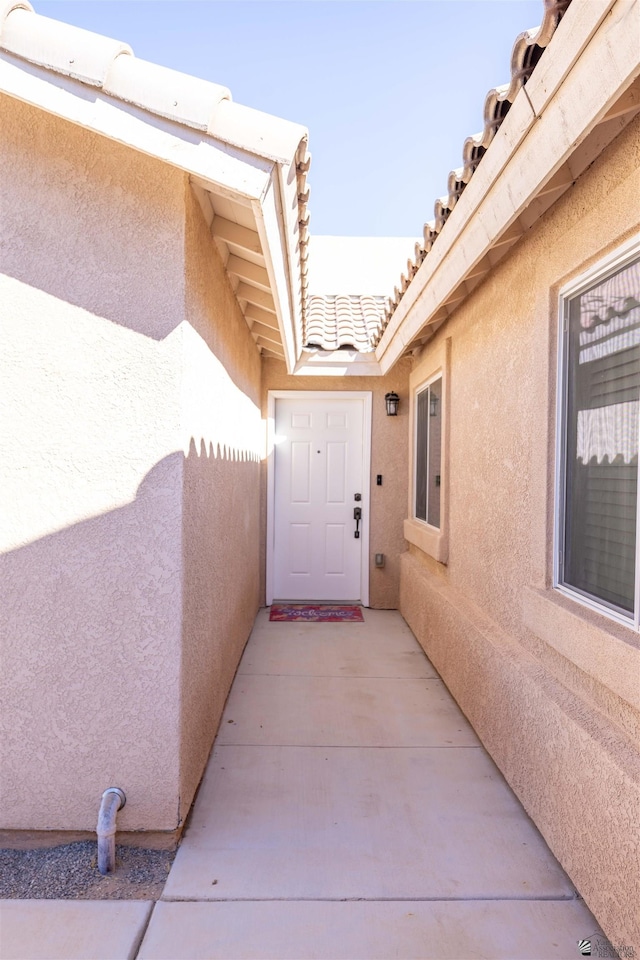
[431,540]
[367,397]
[608,265]
[585,601]
[416,391]
[273,233]
[338,363]
[214,163]
[292,251]
[559,504]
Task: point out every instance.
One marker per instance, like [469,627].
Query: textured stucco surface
[131,459]
[223,437]
[559,718]
[91,569]
[389,457]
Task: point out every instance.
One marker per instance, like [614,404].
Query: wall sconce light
[433,405]
[392,401]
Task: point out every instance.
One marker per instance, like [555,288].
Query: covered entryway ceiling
[234,227]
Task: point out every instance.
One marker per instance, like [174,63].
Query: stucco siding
[544,681]
[92,294]
[223,438]
[389,457]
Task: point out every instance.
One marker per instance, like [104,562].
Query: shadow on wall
[221,592]
[121,635]
[221,451]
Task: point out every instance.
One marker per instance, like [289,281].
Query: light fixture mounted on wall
[392,401]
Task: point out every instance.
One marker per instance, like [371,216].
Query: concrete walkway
[348,812]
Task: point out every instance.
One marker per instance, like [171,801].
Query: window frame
[425,385]
[607,266]
[433,362]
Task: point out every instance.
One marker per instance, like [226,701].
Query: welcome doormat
[316,613]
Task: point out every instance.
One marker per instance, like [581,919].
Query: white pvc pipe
[113,799]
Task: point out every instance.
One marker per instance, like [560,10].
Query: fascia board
[579,24]
[272,230]
[338,364]
[221,166]
[290,211]
[600,40]
[212,165]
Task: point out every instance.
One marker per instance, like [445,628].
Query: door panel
[336,471]
[300,547]
[300,471]
[335,535]
[318,454]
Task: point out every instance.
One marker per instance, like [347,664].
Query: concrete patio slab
[343,711]
[382,646]
[72,929]
[322,822]
[500,930]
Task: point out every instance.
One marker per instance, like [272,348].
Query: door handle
[357,516]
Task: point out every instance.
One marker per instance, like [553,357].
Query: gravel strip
[70,872]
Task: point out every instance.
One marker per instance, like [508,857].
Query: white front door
[319,473]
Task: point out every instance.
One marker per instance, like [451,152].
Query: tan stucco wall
[91,567]
[552,689]
[223,432]
[131,413]
[389,457]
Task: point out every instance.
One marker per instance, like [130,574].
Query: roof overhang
[575,103]
[338,363]
[248,170]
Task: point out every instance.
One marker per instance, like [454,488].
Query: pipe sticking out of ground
[113,799]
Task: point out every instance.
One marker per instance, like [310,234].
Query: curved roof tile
[68,50]
[167,93]
[527,50]
[344,321]
[112,66]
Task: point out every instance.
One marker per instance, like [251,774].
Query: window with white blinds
[600,429]
[428,453]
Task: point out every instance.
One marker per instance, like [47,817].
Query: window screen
[601,429]
[428,451]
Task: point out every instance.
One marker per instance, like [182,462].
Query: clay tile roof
[527,50]
[111,66]
[344,321]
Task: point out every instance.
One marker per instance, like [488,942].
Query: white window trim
[433,541]
[608,265]
[438,375]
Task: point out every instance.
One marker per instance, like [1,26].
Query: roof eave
[542,146]
[228,171]
[198,154]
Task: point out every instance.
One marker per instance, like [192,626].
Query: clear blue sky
[389,90]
